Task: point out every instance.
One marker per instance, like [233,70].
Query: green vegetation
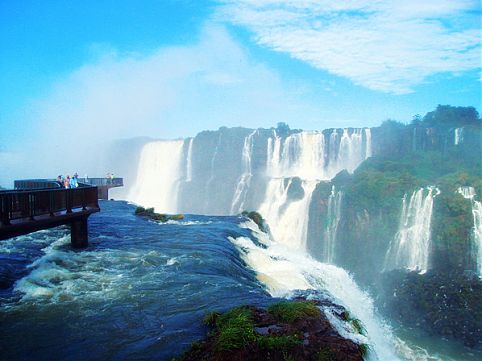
[282,342]
[235,329]
[325,355]
[418,155]
[211,318]
[288,330]
[449,116]
[365,349]
[149,213]
[445,304]
[291,311]
[355,322]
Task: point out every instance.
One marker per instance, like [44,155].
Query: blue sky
[170,68]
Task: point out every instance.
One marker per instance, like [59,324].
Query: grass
[325,355]
[235,329]
[278,342]
[293,311]
[211,318]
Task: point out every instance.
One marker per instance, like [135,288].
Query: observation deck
[37,204]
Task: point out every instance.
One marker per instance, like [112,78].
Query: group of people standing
[68,182]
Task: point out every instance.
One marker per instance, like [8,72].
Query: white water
[189,161]
[332,220]
[305,155]
[459,135]
[284,270]
[241,190]
[350,153]
[469,193]
[368,136]
[288,219]
[158,176]
[411,245]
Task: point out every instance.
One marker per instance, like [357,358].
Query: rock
[446,304]
[289,330]
[149,213]
[258,219]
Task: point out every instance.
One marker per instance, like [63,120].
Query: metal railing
[19,204]
[114,182]
[36,184]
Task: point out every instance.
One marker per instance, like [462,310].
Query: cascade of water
[189,161]
[300,155]
[332,221]
[333,145]
[459,135]
[410,246]
[477,213]
[368,137]
[158,176]
[284,270]
[242,187]
[211,177]
[469,193]
[350,153]
[273,156]
[304,155]
[288,219]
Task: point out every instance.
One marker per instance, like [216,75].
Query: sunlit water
[141,289]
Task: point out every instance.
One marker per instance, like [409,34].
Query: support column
[103,192]
[79,235]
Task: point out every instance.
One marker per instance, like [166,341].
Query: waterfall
[282,190]
[368,137]
[459,135]
[288,219]
[332,221]
[348,151]
[211,177]
[285,271]
[240,192]
[189,161]
[158,176]
[300,155]
[410,247]
[469,193]
[332,145]
[309,157]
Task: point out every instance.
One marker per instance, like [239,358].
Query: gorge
[380,201]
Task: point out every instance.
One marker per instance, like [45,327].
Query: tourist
[60,180]
[73,182]
[67,182]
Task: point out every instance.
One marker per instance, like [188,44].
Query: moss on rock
[288,330]
[161,217]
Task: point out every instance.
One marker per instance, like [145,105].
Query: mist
[172,92]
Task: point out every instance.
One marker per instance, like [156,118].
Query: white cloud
[173,91]
[389,45]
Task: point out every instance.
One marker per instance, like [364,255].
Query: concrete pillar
[79,236]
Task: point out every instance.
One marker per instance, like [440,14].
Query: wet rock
[445,304]
[294,330]
[149,213]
